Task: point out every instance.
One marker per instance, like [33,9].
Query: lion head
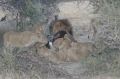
[62,24]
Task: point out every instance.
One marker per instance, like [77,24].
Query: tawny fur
[22,39]
[62,25]
[55,56]
[43,51]
[39,29]
[68,51]
[73,51]
[62,44]
[85,47]
[79,50]
[74,54]
[35,47]
[66,37]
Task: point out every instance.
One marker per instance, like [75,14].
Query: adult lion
[23,39]
[62,24]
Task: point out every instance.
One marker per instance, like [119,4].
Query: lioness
[23,39]
[39,29]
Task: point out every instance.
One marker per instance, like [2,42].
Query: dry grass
[12,75]
[106,62]
[27,65]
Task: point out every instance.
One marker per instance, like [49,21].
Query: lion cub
[79,50]
[55,56]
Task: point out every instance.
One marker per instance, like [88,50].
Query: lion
[63,34]
[22,39]
[60,34]
[39,29]
[54,56]
[62,44]
[85,47]
[70,38]
[62,24]
[43,51]
[57,57]
[34,48]
[79,50]
[74,54]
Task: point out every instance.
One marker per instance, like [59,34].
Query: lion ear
[59,24]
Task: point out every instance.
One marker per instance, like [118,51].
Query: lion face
[61,25]
[57,27]
[39,29]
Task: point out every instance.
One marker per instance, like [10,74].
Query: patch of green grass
[107,61]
